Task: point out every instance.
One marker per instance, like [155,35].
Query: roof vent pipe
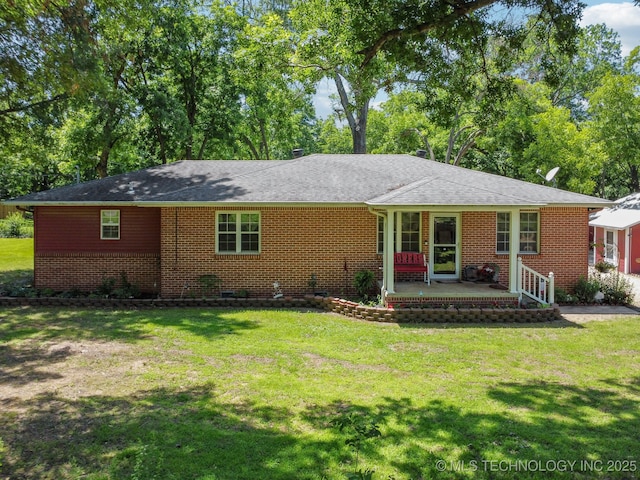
[421,153]
[298,152]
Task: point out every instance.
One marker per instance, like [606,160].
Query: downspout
[383,290]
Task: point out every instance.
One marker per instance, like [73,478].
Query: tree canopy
[90,88]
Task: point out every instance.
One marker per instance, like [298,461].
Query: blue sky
[620,15]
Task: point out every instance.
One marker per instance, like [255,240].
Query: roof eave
[613,227]
[181,204]
[484,206]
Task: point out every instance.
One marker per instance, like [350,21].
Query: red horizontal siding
[77,229]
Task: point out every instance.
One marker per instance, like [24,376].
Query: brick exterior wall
[86,271]
[331,242]
[69,253]
[478,232]
[564,244]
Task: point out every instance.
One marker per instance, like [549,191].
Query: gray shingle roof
[378,180]
[624,214]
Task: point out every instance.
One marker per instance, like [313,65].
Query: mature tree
[535,136]
[45,53]
[420,28]
[615,112]
[576,74]
[369,45]
[327,48]
[400,125]
[194,48]
[277,114]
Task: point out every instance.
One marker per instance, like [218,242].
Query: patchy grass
[222,394]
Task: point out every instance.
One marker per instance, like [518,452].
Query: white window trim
[610,247]
[109,224]
[537,250]
[238,233]
[511,226]
[504,252]
[398,230]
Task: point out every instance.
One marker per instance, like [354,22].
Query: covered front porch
[457,293]
[450,242]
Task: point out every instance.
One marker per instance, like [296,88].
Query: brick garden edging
[330,304]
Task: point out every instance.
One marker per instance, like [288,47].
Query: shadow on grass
[23,365]
[541,424]
[50,324]
[12,282]
[168,434]
[190,433]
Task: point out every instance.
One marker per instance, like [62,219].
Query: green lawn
[223,394]
[16,254]
[16,264]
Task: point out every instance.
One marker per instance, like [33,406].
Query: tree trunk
[359,136]
[634,180]
[101,168]
[263,140]
[163,144]
[251,146]
[357,123]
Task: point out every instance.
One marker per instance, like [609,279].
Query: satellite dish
[551,174]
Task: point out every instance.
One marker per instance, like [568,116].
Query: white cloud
[624,18]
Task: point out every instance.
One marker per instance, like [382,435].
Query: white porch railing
[534,285]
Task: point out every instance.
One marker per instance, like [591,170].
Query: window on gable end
[110,224]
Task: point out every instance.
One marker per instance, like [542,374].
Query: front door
[444,255]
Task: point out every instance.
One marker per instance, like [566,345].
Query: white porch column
[389,251]
[514,248]
[627,250]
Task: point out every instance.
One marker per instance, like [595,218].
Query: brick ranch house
[253,223]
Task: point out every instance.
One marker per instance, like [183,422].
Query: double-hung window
[408,224]
[110,224]
[529,234]
[238,232]
[503,232]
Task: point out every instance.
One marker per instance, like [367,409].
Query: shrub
[364,280]
[562,296]
[586,289]
[16,226]
[106,287]
[617,290]
[126,289]
[603,267]
[209,283]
